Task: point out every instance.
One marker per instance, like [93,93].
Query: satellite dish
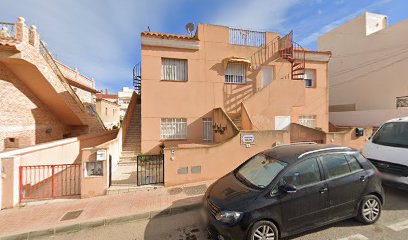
[190,28]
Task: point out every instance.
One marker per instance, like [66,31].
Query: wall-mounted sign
[101,155]
[247,139]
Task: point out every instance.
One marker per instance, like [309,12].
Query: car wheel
[263,230]
[370,209]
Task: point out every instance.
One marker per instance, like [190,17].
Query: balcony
[246,37]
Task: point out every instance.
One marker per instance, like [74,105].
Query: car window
[304,173]
[335,165]
[260,170]
[394,134]
[353,163]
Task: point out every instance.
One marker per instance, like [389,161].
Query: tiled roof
[167,36]
[106,96]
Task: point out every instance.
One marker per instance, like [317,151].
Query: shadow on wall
[194,135]
[234,94]
[31,126]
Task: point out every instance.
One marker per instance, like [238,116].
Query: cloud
[258,15]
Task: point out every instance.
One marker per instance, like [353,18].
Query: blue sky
[102,37]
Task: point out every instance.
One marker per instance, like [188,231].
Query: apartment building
[124,97]
[366,70]
[261,81]
[108,112]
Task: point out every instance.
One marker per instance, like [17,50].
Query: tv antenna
[190,28]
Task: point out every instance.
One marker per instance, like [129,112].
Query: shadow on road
[193,227]
[188,216]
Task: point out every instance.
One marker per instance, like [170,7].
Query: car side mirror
[288,188]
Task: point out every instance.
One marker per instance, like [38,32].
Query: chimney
[106,91]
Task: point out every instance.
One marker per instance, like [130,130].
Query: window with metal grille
[235,73]
[174,69]
[308,121]
[173,128]
[310,78]
[207,130]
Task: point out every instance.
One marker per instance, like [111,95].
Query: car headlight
[228,216]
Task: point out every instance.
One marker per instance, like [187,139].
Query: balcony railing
[402,101]
[7,30]
[245,37]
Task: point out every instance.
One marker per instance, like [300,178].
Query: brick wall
[23,116]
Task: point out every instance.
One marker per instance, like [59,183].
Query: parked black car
[293,188]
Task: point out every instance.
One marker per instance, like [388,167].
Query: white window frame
[207,135]
[308,121]
[173,128]
[174,69]
[235,73]
[310,75]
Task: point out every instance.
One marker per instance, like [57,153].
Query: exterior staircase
[236,119]
[125,174]
[133,135]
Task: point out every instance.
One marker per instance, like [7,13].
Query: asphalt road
[188,226]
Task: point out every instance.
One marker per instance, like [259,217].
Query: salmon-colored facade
[266,98]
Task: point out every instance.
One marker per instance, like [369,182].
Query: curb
[75,227]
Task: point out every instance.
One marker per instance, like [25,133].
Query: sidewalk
[47,219]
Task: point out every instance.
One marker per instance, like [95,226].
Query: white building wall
[368,64]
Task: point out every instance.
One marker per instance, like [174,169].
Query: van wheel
[370,209]
[263,230]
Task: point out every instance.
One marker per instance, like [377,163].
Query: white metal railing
[173,128]
[247,37]
[402,101]
[235,73]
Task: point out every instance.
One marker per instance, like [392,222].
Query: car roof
[292,153]
[400,119]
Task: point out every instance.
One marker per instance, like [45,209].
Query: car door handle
[323,190]
[363,178]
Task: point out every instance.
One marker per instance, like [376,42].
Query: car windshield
[260,170]
[393,134]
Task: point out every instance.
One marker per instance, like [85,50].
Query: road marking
[399,226]
[355,237]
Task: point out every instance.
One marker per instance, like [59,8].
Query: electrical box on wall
[359,132]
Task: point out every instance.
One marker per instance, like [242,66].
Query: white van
[387,149]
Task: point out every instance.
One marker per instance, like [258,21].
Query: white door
[282,122]
[207,130]
[267,76]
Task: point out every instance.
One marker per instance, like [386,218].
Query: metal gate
[50,181]
[150,169]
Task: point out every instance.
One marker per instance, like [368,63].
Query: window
[94,168]
[106,111]
[353,163]
[303,174]
[335,165]
[173,128]
[235,73]
[174,69]
[260,170]
[207,130]
[308,121]
[113,112]
[310,78]
[394,134]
